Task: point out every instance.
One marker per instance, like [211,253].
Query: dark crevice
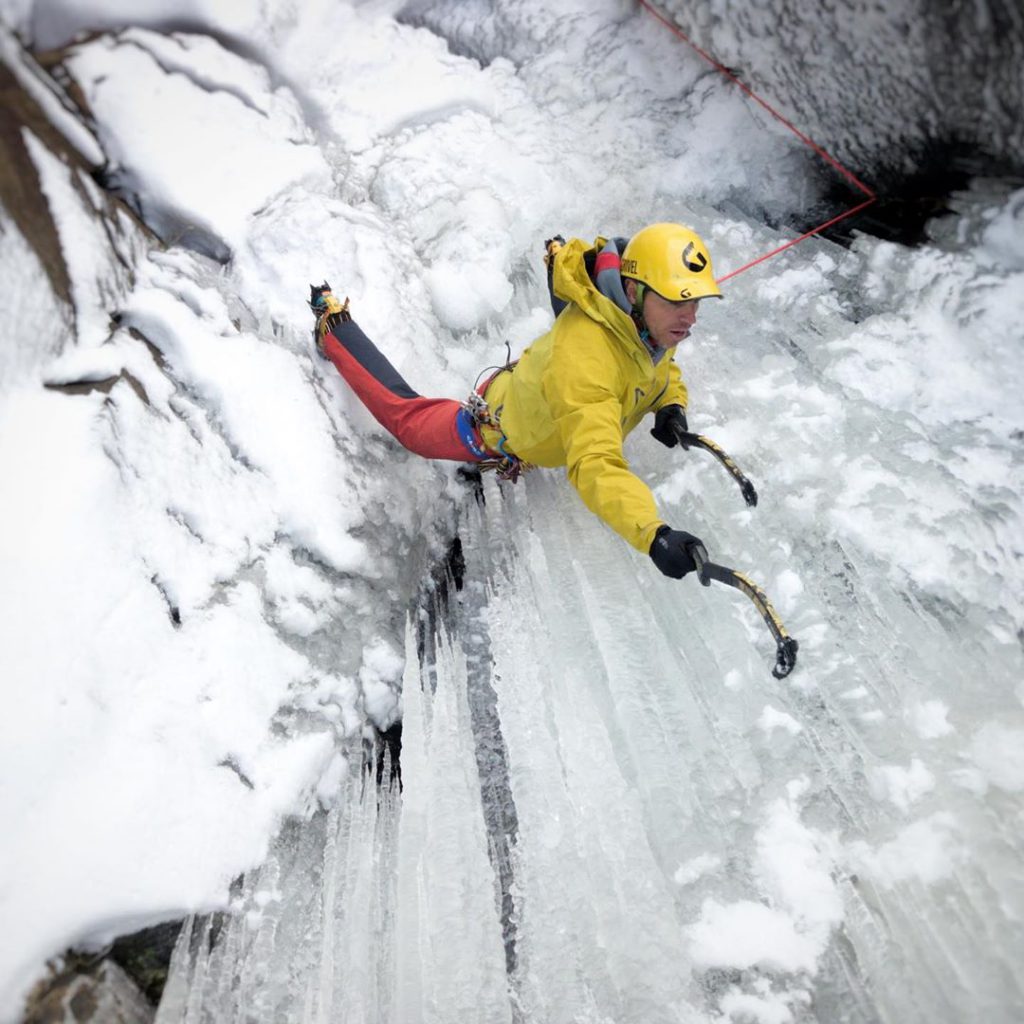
[908,199]
[447,606]
[388,757]
[232,765]
[163,223]
[473,478]
[104,386]
[77,978]
[195,77]
[434,606]
[383,755]
[172,609]
[411,16]
[145,956]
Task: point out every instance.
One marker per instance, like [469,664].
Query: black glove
[667,420]
[670,551]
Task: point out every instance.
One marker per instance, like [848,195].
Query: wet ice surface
[611,811]
[674,832]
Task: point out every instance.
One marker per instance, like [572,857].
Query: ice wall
[611,811]
[877,85]
[687,837]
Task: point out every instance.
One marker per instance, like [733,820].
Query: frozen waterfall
[221,583]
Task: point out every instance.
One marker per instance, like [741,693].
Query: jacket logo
[698,263]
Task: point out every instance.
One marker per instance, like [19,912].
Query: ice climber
[621,309]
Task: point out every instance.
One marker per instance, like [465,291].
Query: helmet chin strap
[638,311]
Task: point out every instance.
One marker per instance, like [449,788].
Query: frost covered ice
[611,811]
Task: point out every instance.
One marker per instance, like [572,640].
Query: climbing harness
[505,464]
[856,182]
[786,646]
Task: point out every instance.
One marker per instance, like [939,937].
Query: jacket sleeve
[675,393]
[584,403]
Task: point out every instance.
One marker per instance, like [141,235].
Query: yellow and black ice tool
[785,645]
[688,440]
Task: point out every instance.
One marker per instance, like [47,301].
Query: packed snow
[217,568]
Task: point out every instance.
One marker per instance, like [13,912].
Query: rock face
[101,995]
[122,986]
[146,957]
[67,246]
[48,163]
[20,192]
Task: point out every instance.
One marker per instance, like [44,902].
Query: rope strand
[853,179]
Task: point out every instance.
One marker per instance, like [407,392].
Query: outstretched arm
[676,392]
[589,419]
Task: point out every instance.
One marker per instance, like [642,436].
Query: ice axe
[688,440]
[785,645]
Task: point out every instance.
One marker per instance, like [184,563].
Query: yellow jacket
[578,391]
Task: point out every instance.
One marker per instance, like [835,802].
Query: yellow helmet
[670,260]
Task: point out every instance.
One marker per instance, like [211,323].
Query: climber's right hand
[671,552]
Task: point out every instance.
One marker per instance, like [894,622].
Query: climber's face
[668,323]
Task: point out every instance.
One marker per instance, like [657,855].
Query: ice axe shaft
[785,645]
[688,440]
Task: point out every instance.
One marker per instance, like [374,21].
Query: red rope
[673,27]
[806,234]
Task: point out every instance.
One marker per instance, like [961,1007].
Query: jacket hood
[572,283]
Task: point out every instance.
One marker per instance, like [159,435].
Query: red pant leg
[431,427]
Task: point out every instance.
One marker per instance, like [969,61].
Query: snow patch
[689,871]
[153,123]
[928,719]
[925,851]
[1003,238]
[793,866]
[763,1005]
[901,786]
[744,934]
[380,677]
[787,590]
[772,719]
[997,751]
